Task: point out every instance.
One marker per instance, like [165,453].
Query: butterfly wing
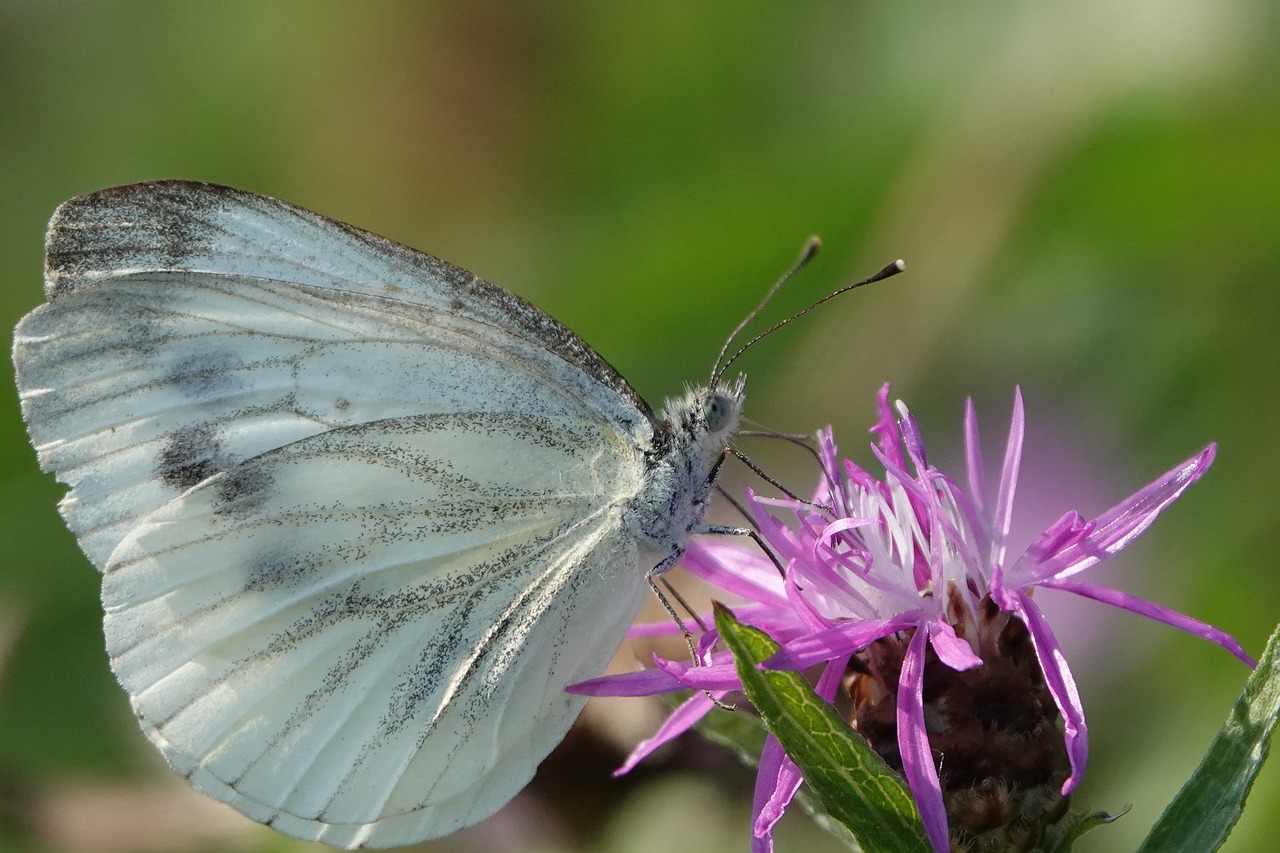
[363,637]
[324,613]
[190,327]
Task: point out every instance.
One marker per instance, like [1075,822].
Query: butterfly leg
[721,530]
[671,611]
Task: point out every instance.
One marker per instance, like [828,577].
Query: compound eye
[717,409]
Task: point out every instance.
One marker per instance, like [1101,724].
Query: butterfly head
[699,426]
[706,415]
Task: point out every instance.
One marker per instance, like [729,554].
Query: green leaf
[1208,806]
[743,735]
[853,783]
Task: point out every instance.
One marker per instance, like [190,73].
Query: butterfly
[361,515]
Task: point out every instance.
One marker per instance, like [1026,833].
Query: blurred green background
[1087,196]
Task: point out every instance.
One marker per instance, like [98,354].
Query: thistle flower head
[901,589]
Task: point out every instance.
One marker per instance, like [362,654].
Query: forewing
[193,227]
[191,327]
[363,637]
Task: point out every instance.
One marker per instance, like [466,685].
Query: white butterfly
[361,515]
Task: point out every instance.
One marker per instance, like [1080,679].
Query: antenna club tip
[811,247]
[888,271]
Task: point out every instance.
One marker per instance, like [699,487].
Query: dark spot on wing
[206,376]
[244,488]
[277,567]
[191,456]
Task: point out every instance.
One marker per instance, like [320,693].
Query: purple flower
[901,589]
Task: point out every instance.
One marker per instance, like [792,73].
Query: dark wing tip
[129,227]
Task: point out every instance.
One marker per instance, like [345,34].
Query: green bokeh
[1087,195]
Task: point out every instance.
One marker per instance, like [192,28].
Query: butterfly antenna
[810,249]
[889,271]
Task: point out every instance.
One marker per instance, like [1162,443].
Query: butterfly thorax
[690,439]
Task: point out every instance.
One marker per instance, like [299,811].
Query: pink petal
[775,622]
[886,429]
[838,641]
[644,682]
[1057,677]
[829,491]
[973,457]
[1154,611]
[1118,526]
[829,682]
[913,744]
[911,439]
[953,651]
[681,720]
[1008,479]
[776,783]
[826,567]
[1067,531]
[735,568]
[721,676]
[809,617]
